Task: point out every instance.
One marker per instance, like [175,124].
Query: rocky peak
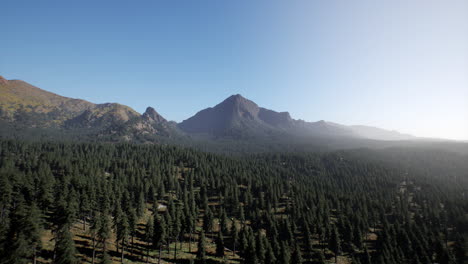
[239,106]
[278,119]
[152,115]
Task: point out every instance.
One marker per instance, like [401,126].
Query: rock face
[151,115]
[276,119]
[28,106]
[237,115]
[235,112]
[23,105]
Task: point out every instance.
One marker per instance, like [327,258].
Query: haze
[398,65]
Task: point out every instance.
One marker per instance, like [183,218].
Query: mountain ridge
[235,118]
[29,106]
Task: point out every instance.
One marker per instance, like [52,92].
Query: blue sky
[395,64]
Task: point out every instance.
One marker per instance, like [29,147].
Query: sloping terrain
[236,125]
[24,106]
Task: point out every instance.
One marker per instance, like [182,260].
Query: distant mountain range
[28,111]
[238,116]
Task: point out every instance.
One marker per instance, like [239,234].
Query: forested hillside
[104,203]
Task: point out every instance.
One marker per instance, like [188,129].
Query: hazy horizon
[394,65]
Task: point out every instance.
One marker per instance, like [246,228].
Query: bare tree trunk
[159,261]
[147,252]
[117,245]
[104,247]
[132,246]
[175,250]
[94,250]
[190,243]
[123,251]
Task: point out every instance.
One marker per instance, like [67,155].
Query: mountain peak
[152,115]
[236,98]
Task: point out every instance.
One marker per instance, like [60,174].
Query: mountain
[235,116]
[236,124]
[239,117]
[25,106]
[19,99]
[380,134]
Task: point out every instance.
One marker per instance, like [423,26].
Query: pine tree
[223,222]
[33,228]
[23,237]
[208,221]
[270,256]
[367,258]
[132,223]
[297,255]
[319,257]
[334,243]
[104,232]
[285,256]
[123,232]
[459,249]
[250,252]
[220,245]
[94,230]
[201,253]
[260,247]
[159,237]
[149,234]
[65,251]
[106,259]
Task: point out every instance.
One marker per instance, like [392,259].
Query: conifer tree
[104,232]
[270,256]
[220,245]
[123,232]
[22,241]
[201,253]
[334,243]
[149,234]
[297,255]
[319,257]
[208,221]
[159,237]
[94,230]
[285,256]
[65,251]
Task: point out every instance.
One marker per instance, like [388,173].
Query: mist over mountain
[238,116]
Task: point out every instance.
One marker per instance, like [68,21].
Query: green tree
[104,232]
[149,234]
[123,232]
[334,243]
[65,251]
[201,253]
[285,256]
[220,245]
[297,255]
[23,237]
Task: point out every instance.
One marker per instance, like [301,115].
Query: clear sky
[394,64]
